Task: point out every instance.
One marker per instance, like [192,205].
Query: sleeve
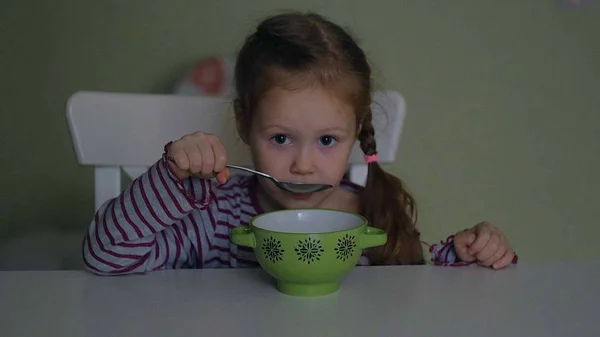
[143,229]
[444,254]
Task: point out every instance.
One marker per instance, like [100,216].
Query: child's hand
[485,244]
[198,154]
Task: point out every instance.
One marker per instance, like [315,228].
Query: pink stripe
[228,212]
[230,187]
[166,186]
[97,236]
[218,259]
[156,250]
[105,224]
[167,248]
[438,255]
[228,197]
[212,247]
[184,228]
[447,247]
[162,265]
[208,240]
[138,212]
[247,214]
[98,258]
[191,183]
[225,238]
[136,245]
[191,198]
[198,239]
[178,245]
[213,222]
[122,271]
[221,236]
[191,254]
[225,224]
[159,197]
[126,215]
[203,190]
[124,256]
[89,265]
[148,205]
[219,248]
[250,203]
[133,266]
[216,234]
[116,225]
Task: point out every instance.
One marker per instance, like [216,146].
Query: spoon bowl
[297,188]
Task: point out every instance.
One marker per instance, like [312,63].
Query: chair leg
[107,181]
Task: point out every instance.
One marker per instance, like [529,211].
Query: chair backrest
[114,131]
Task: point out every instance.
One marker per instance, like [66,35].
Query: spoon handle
[249,170]
[171,159]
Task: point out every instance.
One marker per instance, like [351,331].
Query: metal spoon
[297,188]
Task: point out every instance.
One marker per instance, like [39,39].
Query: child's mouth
[301,196]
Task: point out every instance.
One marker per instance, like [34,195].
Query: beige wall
[503,112]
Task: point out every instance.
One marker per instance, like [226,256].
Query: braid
[366,136]
[388,206]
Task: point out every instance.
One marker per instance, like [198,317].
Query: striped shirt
[160,222]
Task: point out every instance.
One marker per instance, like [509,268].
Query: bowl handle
[243,236]
[373,237]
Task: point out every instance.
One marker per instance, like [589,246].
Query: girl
[303,99]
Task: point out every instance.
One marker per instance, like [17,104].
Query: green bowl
[308,251]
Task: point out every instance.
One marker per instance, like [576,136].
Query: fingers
[462,241]
[490,249]
[484,234]
[223,176]
[492,254]
[199,154]
[195,157]
[207,164]
[220,156]
[505,260]
[179,162]
[180,159]
[470,239]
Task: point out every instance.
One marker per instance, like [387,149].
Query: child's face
[302,136]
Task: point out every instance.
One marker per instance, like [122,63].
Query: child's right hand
[198,154]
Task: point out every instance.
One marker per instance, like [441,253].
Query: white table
[524,300]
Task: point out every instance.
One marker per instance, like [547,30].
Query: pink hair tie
[371,158]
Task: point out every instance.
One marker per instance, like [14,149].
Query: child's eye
[280,139]
[327,140]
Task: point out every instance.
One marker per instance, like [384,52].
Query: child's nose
[303,162]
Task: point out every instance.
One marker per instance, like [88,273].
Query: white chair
[114,131]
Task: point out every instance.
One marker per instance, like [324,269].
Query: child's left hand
[485,244]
